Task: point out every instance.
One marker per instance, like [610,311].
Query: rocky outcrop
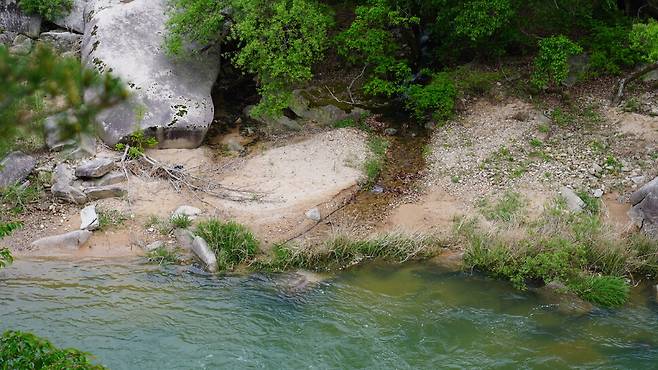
[89,218]
[15,168]
[645,208]
[170,99]
[82,146]
[63,42]
[72,240]
[12,19]
[188,211]
[95,168]
[63,187]
[74,20]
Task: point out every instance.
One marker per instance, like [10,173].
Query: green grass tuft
[232,243]
[164,256]
[181,221]
[507,209]
[608,291]
[108,218]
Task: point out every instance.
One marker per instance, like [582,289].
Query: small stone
[390,131]
[103,192]
[574,203]
[598,193]
[94,168]
[111,178]
[89,218]
[189,211]
[637,180]
[72,240]
[153,246]
[201,250]
[314,214]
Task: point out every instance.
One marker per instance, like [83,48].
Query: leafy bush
[610,50]
[551,65]
[644,38]
[20,350]
[137,143]
[481,19]
[49,9]
[5,257]
[436,98]
[232,243]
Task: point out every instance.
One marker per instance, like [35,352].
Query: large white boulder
[170,97]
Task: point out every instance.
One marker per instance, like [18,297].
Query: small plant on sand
[108,218]
[232,243]
[181,221]
[507,209]
[137,143]
[6,258]
[21,350]
[156,223]
[164,256]
[17,197]
[374,165]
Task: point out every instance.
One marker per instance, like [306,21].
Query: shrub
[20,350]
[49,9]
[6,258]
[137,143]
[610,50]
[551,65]
[232,243]
[644,39]
[436,98]
[181,221]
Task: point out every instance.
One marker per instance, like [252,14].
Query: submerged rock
[172,98]
[300,281]
[89,218]
[95,168]
[204,253]
[566,302]
[72,240]
[15,168]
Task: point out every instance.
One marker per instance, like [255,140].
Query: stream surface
[134,316]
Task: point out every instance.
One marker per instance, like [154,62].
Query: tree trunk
[619,92]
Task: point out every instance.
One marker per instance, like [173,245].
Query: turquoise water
[134,316]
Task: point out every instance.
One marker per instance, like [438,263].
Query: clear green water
[135,316]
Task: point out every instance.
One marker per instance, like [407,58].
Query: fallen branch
[619,95]
[349,89]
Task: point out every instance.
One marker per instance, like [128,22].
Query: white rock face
[12,19]
[74,20]
[170,98]
[89,218]
[574,203]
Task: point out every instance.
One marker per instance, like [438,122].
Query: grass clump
[108,218]
[231,242]
[164,256]
[343,251]
[16,198]
[575,249]
[6,228]
[374,165]
[21,350]
[181,221]
[156,223]
[507,209]
[49,9]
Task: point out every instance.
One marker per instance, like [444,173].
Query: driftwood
[180,177]
[619,91]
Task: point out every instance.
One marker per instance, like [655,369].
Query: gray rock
[103,192]
[81,146]
[12,19]
[111,178]
[574,203]
[72,240]
[153,246]
[640,194]
[277,124]
[314,214]
[7,38]
[22,45]
[89,218]
[185,238]
[172,97]
[390,131]
[234,146]
[189,211]
[74,20]
[598,193]
[15,168]
[62,41]
[95,168]
[557,294]
[645,215]
[203,252]
[63,188]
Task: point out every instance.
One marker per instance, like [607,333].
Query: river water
[135,316]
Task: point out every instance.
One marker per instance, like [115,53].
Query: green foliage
[6,228]
[551,65]
[6,258]
[481,19]
[370,41]
[108,218]
[508,208]
[49,9]
[610,50]
[644,38]
[136,145]
[17,197]
[608,291]
[232,243]
[30,85]
[374,165]
[344,123]
[279,40]
[181,221]
[21,350]
[470,80]
[164,256]
[437,98]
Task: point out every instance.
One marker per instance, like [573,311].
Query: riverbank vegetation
[21,350]
[576,249]
[231,242]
